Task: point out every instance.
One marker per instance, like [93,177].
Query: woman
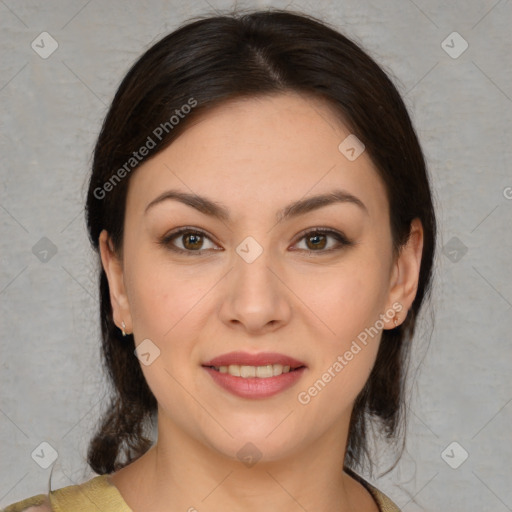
[263,215]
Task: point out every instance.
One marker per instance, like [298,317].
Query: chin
[257,442]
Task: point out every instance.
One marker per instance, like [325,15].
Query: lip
[255,387]
[247,359]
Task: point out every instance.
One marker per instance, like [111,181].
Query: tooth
[264,372]
[234,369]
[247,371]
[277,369]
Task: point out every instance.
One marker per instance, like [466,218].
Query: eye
[317,240]
[194,242]
[188,240]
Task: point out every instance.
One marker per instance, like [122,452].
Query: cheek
[171,305]
[343,360]
[347,298]
[349,301]
[164,297]
[167,305]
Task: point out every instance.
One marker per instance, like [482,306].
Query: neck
[181,473]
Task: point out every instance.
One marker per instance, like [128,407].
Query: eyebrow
[221,212]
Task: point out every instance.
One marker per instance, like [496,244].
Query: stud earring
[396,320]
[123,328]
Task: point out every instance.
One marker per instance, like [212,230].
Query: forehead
[269,149]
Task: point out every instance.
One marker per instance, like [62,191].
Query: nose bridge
[251,266]
[255,296]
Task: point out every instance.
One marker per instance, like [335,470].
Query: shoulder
[77,498]
[383,503]
[39,503]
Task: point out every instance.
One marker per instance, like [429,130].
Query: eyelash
[342,240]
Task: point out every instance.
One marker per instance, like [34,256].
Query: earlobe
[114,271]
[405,276]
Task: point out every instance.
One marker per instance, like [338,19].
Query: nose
[256,298]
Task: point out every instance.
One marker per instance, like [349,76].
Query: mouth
[255,375]
[259,372]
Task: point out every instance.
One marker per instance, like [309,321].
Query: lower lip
[254,387]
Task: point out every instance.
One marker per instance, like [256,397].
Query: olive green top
[99,494]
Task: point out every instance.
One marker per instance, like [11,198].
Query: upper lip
[261,359]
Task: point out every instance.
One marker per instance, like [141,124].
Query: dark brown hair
[222,57]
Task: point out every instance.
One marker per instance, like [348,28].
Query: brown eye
[187,240]
[192,241]
[318,240]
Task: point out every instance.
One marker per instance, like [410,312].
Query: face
[258,277]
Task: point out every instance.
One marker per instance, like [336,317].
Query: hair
[212,60]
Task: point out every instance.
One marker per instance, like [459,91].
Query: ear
[405,275]
[114,271]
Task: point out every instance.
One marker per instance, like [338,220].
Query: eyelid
[320,229]
[166,240]
[339,236]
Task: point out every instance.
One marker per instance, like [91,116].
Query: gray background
[52,108]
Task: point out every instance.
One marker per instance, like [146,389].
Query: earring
[123,328]
[396,320]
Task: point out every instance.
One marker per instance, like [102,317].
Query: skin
[255,156]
